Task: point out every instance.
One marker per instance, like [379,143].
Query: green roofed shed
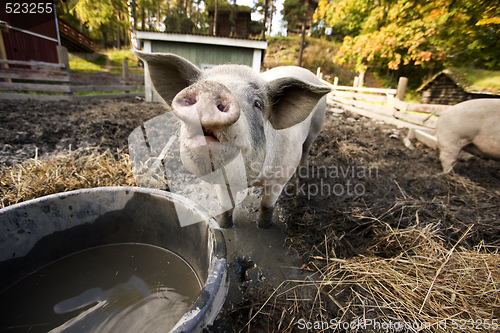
[203,51]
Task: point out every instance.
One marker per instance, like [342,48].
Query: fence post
[356,82]
[125,73]
[319,74]
[3,52]
[402,84]
[62,54]
[336,81]
[125,69]
[361,79]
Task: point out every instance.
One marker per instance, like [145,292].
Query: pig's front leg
[225,219]
[272,192]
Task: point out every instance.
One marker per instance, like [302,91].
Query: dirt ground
[360,181]
[50,127]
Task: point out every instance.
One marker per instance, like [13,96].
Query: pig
[473,126]
[270,118]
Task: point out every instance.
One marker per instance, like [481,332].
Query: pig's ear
[169,73]
[292,101]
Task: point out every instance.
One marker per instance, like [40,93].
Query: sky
[277,19]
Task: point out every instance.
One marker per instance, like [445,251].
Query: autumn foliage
[424,33]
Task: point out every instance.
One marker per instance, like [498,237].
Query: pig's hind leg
[448,153]
[315,128]
[272,190]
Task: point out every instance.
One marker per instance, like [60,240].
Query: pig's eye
[258,104]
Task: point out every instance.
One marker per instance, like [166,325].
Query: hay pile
[425,287]
[65,171]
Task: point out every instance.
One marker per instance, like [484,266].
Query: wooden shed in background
[448,88]
[203,51]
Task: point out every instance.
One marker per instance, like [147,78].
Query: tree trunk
[266,14]
[302,40]
[158,13]
[216,10]
[430,73]
[270,19]
[303,37]
[118,37]
[143,19]
[134,14]
[104,35]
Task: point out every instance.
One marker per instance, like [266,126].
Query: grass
[84,66]
[117,56]
[109,61]
[318,52]
[480,79]
[411,96]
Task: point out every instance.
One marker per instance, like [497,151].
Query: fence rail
[33,64]
[386,103]
[51,81]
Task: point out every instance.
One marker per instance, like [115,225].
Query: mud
[361,180]
[43,128]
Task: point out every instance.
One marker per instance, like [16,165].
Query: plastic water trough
[35,233]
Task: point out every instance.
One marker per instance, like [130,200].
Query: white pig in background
[270,119]
[473,126]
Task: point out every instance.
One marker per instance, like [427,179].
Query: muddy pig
[473,126]
[270,119]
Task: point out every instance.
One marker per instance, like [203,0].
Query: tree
[423,33]
[113,20]
[295,14]
[103,17]
[267,9]
[178,17]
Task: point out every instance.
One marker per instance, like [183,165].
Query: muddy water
[113,288]
[255,254]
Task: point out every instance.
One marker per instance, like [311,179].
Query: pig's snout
[207,103]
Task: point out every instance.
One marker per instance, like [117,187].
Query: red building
[35,36]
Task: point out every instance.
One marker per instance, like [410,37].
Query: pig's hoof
[265,218]
[225,219]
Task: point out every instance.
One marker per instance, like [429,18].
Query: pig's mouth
[207,150]
[205,137]
[210,135]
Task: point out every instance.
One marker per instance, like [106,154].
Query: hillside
[319,52]
[478,79]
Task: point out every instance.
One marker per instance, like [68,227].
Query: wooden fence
[387,105]
[50,81]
